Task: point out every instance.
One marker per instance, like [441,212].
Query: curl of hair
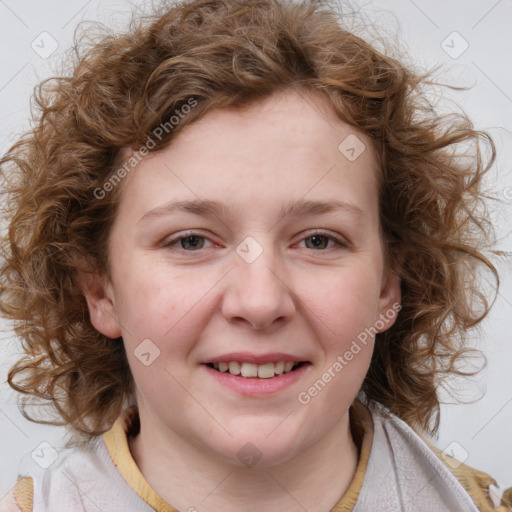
[231,53]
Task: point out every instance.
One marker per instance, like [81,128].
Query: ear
[98,293]
[390,295]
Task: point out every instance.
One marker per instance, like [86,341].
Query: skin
[306,299]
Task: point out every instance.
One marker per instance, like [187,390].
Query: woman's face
[252,240]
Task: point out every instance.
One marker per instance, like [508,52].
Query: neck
[191,479]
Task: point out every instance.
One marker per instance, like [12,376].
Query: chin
[260,453]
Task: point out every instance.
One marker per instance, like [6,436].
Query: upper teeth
[263,371]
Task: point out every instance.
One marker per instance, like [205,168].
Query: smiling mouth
[256,371]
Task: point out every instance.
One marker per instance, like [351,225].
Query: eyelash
[170,243]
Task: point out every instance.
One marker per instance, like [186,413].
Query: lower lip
[254,386]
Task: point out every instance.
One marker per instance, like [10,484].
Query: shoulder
[20,498]
[84,459]
[482,488]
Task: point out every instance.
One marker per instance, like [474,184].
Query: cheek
[154,299]
[345,301]
[161,320]
[168,309]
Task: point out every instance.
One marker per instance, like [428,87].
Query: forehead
[290,146]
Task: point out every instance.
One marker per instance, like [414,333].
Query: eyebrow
[205,208]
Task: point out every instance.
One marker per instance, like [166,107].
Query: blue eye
[193,242]
[319,238]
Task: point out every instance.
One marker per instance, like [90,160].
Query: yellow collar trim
[116,441]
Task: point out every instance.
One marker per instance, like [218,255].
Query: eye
[190,242]
[319,239]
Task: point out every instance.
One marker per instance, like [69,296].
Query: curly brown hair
[232,53]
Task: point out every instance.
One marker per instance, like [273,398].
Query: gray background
[479,432]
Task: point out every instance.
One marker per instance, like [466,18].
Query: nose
[257,293]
